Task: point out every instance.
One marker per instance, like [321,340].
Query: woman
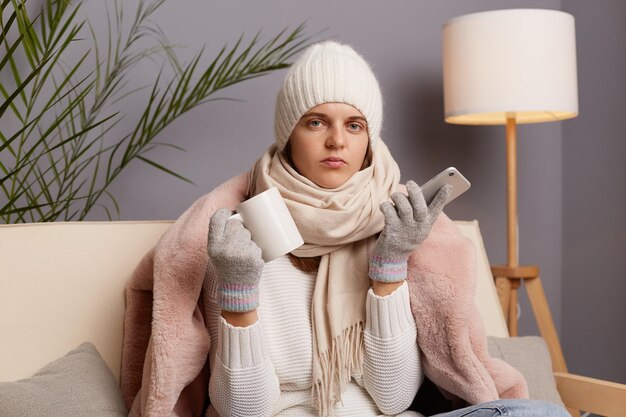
[326,329]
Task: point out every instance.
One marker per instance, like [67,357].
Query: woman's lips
[333,164]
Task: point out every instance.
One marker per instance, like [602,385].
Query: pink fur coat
[165,371]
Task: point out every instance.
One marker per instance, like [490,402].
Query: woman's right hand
[237,260]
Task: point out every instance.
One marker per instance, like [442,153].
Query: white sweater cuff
[241,347]
[389,316]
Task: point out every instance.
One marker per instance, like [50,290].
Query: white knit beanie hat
[328,72]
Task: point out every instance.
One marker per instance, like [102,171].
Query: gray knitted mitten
[406,226]
[237,260]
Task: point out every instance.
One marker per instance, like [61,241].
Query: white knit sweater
[265,369]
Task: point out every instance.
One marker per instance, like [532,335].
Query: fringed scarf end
[338,365]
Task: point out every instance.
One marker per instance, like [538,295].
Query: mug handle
[236,216]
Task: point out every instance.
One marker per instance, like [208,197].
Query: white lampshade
[516,61]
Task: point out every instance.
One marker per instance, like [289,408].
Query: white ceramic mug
[270,224]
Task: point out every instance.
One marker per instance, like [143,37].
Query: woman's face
[329,130]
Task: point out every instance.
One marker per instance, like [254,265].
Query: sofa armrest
[590,394]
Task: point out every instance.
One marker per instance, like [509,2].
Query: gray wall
[576,239]
[594,197]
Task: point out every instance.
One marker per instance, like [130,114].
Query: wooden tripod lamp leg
[538,302]
[513,308]
[539,305]
[543,317]
[507,293]
[541,310]
[503,287]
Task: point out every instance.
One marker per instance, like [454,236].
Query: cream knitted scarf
[341,225]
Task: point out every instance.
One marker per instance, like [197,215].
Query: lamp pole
[509,277]
[512,222]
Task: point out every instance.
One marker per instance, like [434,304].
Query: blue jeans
[509,407]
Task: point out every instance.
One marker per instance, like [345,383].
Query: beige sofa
[62,284]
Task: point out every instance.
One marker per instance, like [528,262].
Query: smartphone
[450,175]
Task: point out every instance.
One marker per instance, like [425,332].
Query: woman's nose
[335,137]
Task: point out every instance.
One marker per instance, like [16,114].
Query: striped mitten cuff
[239,298]
[388,269]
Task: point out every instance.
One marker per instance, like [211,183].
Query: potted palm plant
[56,160]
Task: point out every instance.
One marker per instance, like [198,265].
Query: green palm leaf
[56,156]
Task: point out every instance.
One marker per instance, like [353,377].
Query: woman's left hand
[407,224]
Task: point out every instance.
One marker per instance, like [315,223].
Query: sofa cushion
[77,384]
[529,355]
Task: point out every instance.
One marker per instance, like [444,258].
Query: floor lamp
[509,67]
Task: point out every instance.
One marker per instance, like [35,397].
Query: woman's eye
[314,121]
[355,126]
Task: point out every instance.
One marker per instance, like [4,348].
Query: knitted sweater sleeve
[392,371]
[243,382]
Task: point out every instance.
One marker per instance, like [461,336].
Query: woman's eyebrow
[325,115]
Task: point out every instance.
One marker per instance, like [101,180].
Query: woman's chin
[330,183]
